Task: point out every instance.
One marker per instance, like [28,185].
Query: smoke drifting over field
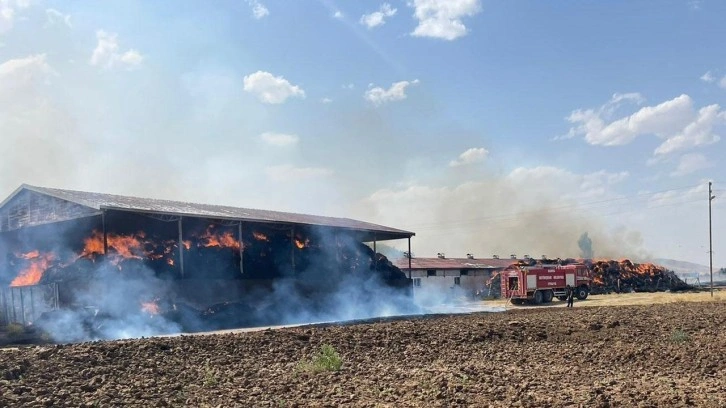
[513,214]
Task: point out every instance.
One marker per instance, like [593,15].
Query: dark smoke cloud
[585,244]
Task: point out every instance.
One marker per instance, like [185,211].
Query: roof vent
[470,256]
[513,256]
[526,257]
[442,255]
[495,256]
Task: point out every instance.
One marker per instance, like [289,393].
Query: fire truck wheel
[538,298]
[548,295]
[582,292]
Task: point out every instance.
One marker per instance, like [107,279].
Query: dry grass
[653,298]
[625,299]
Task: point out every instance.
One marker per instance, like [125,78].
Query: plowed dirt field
[642,356]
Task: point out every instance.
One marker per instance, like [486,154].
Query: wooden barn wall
[29,208]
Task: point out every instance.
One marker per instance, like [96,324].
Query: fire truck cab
[542,283]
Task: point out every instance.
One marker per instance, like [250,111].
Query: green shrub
[326,360]
[679,336]
[210,377]
[15,330]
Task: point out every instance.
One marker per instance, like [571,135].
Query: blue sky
[485,127]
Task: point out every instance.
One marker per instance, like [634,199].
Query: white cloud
[691,163]
[338,15]
[56,17]
[442,18]
[397,92]
[132,57]
[20,73]
[289,173]
[674,120]
[326,100]
[106,54]
[348,86]
[699,132]
[258,9]
[592,120]
[378,18]
[279,139]
[471,156]
[710,78]
[669,198]
[8,9]
[7,15]
[24,68]
[271,89]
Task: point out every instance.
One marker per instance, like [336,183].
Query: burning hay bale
[627,276]
[610,276]
[133,288]
[622,275]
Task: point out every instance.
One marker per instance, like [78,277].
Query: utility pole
[710,240]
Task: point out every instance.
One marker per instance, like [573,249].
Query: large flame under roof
[96,203]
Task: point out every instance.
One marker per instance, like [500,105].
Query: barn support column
[375,253]
[4,303]
[32,304]
[241,249]
[181,247]
[337,251]
[12,301]
[22,306]
[105,235]
[292,248]
[409,257]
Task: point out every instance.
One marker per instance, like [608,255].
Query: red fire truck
[542,283]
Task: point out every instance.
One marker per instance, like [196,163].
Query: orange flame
[623,269]
[29,255]
[301,244]
[122,247]
[150,307]
[260,236]
[225,240]
[39,263]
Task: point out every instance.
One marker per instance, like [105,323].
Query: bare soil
[644,356]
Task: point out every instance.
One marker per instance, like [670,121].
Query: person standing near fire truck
[570,295]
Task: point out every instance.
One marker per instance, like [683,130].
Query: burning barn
[87,265]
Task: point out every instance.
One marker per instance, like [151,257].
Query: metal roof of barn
[454,263]
[101,201]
